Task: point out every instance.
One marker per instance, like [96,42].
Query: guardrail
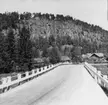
[101,79]
[10,82]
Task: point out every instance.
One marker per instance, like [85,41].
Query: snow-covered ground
[65,85]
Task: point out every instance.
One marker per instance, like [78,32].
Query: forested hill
[64,28]
[36,33]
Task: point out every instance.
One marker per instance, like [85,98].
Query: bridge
[64,85]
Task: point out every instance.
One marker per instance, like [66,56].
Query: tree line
[26,36]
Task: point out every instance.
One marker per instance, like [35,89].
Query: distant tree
[11,43]
[14,19]
[39,15]
[69,41]
[68,18]
[27,15]
[34,52]
[54,55]
[52,40]
[76,54]
[52,17]
[25,48]
[59,41]
[54,52]
[59,17]
[45,52]
[22,17]
[45,49]
[10,48]
[2,54]
[66,40]
[45,16]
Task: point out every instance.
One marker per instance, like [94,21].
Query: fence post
[19,76]
[38,71]
[4,81]
[45,68]
[105,77]
[95,76]
[27,73]
[33,72]
[9,79]
[99,80]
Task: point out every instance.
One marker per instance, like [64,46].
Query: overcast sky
[91,11]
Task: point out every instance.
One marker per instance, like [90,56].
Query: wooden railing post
[9,79]
[33,72]
[105,77]
[99,80]
[19,76]
[4,81]
[96,78]
[27,73]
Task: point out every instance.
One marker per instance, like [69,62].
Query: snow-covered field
[65,85]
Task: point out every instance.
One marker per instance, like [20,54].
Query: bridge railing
[10,82]
[97,75]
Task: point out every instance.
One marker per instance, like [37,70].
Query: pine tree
[25,49]
[9,50]
[2,53]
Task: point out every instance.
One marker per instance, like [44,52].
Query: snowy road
[65,85]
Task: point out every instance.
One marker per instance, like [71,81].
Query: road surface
[65,85]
